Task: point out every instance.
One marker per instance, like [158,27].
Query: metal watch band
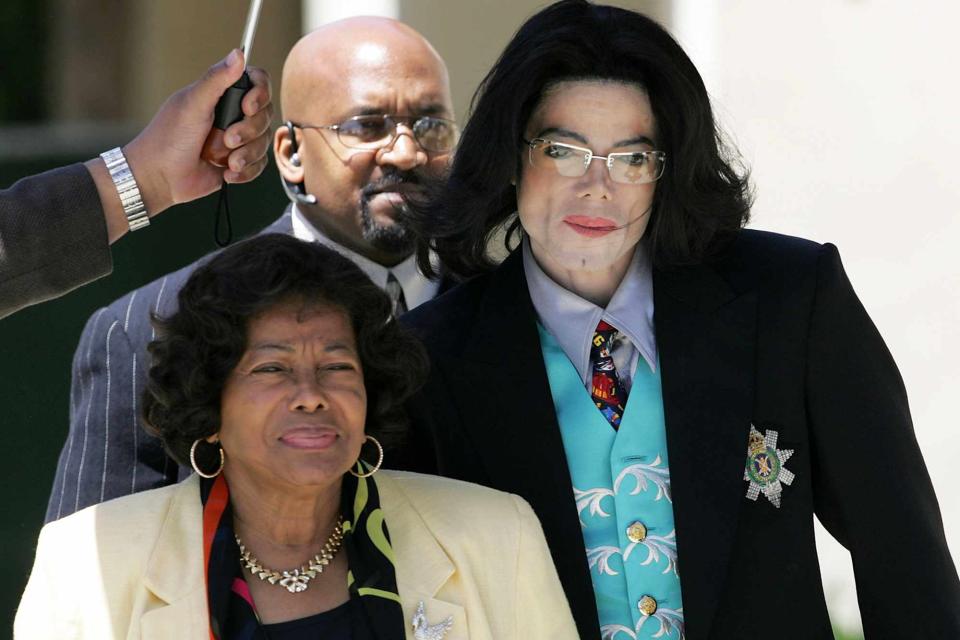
[127,188]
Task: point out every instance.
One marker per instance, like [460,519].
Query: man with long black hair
[675,396]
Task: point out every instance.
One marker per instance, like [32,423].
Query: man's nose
[404,152]
[596,182]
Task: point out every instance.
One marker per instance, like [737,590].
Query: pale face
[294,407]
[587,224]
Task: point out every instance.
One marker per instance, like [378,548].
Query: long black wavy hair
[201,343]
[702,198]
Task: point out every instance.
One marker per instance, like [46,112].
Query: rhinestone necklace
[295,580]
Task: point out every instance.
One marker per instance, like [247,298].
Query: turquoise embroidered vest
[621,483]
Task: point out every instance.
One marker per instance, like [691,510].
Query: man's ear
[290,168]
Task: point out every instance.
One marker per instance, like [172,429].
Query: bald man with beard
[387,69]
[367,110]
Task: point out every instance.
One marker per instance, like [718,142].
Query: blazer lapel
[503,387]
[446,283]
[706,340]
[186,618]
[175,572]
[423,567]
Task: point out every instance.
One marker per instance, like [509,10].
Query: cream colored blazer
[133,567]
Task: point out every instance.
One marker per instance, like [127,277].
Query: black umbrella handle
[228,111]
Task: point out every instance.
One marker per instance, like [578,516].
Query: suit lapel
[503,387]
[706,339]
[446,283]
[186,618]
[174,573]
[422,566]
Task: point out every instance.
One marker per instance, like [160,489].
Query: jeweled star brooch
[765,471]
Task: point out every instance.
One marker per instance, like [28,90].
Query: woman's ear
[214,439]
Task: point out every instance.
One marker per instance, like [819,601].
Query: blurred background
[843,109]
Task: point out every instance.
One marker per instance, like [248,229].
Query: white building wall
[846,112]
[320,12]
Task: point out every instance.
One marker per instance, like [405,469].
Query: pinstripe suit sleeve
[107,453]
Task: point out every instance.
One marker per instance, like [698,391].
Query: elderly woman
[676,397]
[280,364]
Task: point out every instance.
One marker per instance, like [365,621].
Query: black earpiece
[295,191]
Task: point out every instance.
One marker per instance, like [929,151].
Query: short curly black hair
[201,343]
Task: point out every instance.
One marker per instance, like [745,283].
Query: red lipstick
[591,226]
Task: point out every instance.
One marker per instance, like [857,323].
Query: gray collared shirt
[573,320]
[417,288]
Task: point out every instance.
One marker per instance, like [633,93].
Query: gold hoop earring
[375,468]
[193,460]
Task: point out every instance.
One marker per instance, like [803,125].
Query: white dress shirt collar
[417,288]
[573,320]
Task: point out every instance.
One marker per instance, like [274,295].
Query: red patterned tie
[607,391]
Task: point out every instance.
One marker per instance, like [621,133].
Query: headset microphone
[295,191]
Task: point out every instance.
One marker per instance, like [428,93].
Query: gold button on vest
[636,532]
[647,605]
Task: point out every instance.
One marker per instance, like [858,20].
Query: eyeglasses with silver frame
[374,132]
[629,167]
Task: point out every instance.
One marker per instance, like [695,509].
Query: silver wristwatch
[127,188]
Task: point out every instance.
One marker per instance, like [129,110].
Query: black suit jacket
[771,334]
